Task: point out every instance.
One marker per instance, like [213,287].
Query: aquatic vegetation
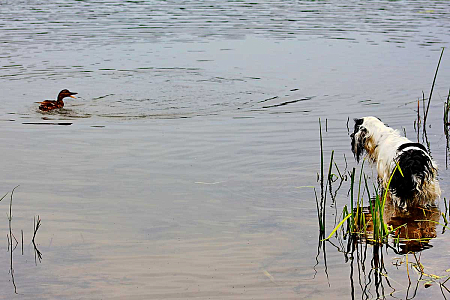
[431,91]
[446,123]
[327,187]
[10,239]
[358,222]
[13,242]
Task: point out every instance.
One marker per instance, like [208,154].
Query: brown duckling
[52,104]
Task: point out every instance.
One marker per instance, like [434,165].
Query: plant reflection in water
[13,242]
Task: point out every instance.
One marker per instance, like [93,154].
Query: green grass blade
[337,227]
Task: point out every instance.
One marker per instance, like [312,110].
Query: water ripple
[110,22]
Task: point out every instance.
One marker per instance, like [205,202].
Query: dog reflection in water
[385,148]
[413,230]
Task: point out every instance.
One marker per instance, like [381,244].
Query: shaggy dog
[385,147]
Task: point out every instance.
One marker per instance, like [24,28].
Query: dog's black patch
[406,145]
[413,163]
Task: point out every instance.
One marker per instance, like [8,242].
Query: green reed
[352,184]
[326,184]
[320,203]
[431,91]
[445,214]
[356,218]
[446,122]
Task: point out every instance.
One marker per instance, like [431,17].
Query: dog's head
[364,128]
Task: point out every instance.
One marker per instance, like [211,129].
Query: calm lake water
[188,167]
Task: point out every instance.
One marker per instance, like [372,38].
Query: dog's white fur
[381,144]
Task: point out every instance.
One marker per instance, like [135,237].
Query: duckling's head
[66,93]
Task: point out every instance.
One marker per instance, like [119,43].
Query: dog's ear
[358,122]
[360,143]
[358,139]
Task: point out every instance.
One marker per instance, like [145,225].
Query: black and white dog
[385,147]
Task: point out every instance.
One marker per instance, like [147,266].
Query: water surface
[187,169]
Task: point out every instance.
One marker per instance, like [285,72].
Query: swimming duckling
[52,104]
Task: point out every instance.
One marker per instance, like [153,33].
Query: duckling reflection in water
[59,103]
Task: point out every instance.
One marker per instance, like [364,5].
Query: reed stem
[432,88]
